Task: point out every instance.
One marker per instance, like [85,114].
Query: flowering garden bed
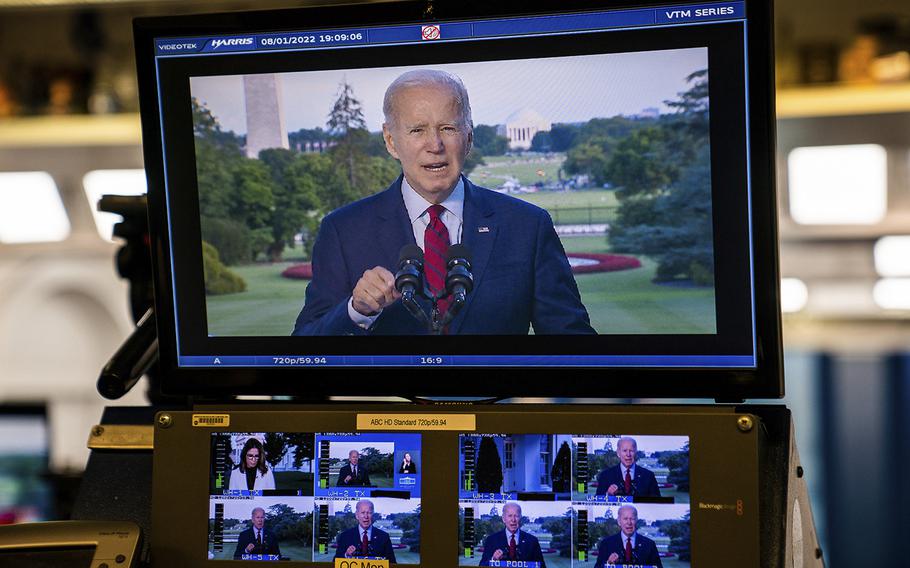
[581,262]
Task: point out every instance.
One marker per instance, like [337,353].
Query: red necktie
[628,482]
[365,545]
[512,548]
[435,251]
[629,549]
[259,539]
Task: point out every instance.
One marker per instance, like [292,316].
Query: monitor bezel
[764,381]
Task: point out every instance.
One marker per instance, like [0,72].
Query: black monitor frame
[764,381]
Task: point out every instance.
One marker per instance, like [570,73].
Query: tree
[275,448]
[346,123]
[296,195]
[562,136]
[375,461]
[301,445]
[561,473]
[678,464]
[639,164]
[559,527]
[409,523]
[488,142]
[346,113]
[587,158]
[678,229]
[665,196]
[217,277]
[542,142]
[489,467]
[473,159]
[680,541]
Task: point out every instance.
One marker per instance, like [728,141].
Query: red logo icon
[429,32]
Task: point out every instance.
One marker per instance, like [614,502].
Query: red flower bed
[299,271]
[604,263]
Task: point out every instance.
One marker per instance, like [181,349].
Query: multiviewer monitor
[585,193]
[578,486]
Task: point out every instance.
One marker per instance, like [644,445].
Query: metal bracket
[122,437]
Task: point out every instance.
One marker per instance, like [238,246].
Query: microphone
[409,279]
[459,280]
[410,269]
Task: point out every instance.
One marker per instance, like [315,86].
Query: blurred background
[69,133]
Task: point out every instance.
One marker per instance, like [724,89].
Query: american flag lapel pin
[483,229]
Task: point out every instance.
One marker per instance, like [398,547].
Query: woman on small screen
[252,473]
[407,466]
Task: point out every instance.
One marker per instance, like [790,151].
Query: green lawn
[523,168]
[572,199]
[625,302]
[628,301]
[268,307]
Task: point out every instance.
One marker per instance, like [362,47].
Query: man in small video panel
[364,539]
[256,540]
[512,543]
[352,474]
[627,477]
[627,546]
[521,275]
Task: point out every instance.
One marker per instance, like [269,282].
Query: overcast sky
[562,89]
[647,444]
[530,509]
[647,512]
[341,450]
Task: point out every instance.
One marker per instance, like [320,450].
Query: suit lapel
[394,229]
[478,234]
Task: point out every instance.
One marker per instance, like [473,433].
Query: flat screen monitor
[573,483]
[583,193]
[26,494]
[301,496]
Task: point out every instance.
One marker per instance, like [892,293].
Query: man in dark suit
[627,478]
[364,539]
[522,277]
[352,474]
[256,540]
[627,546]
[512,543]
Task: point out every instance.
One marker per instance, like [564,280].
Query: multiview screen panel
[593,172]
[311,497]
[538,500]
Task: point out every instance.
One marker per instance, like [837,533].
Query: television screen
[311,497]
[569,500]
[25,493]
[343,190]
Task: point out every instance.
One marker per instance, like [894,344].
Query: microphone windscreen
[459,251]
[409,252]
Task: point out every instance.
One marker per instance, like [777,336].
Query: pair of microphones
[410,283]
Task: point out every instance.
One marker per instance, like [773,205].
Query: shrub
[218,278]
[231,239]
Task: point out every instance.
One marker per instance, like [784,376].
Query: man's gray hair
[423,78]
[367,501]
[513,505]
[627,439]
[253,512]
[619,512]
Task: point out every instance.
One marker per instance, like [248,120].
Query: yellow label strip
[419,422]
